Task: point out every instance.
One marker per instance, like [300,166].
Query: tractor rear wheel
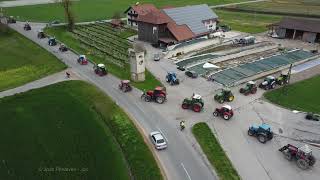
[221,101]
[250,132]
[287,155]
[302,164]
[241,90]
[160,99]
[146,98]
[273,86]
[312,160]
[185,106]
[197,107]
[253,91]
[262,138]
[231,98]
[226,117]
[215,113]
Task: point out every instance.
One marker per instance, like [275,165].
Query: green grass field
[307,7]
[123,73]
[303,96]
[247,22]
[70,130]
[23,61]
[214,152]
[91,10]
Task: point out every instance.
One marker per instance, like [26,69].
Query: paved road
[233,4]
[52,79]
[182,160]
[14,3]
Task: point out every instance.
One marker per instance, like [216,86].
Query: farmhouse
[307,30]
[171,25]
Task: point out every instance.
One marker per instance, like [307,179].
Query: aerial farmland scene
[160,89]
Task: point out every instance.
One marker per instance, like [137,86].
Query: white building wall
[134,24]
[211,24]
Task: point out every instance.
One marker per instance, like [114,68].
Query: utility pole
[285,87]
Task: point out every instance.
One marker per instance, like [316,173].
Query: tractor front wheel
[250,132]
[302,164]
[160,99]
[196,107]
[215,113]
[226,117]
[231,98]
[262,138]
[287,155]
[185,106]
[146,98]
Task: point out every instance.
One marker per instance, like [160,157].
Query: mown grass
[70,125]
[123,73]
[91,10]
[247,22]
[303,96]
[214,152]
[23,61]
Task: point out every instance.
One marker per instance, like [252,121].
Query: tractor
[158,95]
[82,60]
[195,103]
[41,34]
[63,48]
[250,88]
[11,20]
[262,132]
[303,155]
[27,27]
[268,83]
[313,116]
[125,86]
[224,95]
[100,69]
[172,78]
[282,79]
[52,41]
[225,111]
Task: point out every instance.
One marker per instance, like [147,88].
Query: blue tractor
[172,78]
[262,132]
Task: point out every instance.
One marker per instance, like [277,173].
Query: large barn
[307,30]
[171,25]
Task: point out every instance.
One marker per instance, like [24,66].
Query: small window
[160,141]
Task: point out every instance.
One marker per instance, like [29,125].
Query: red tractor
[303,155]
[225,111]
[125,86]
[158,95]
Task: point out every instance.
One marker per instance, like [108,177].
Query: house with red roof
[171,25]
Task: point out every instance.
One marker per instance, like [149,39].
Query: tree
[68,13]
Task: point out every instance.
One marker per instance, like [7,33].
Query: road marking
[186,171]
[163,135]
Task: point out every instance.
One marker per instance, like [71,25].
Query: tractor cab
[196,98]
[125,85]
[82,60]
[224,95]
[159,90]
[269,79]
[52,41]
[100,69]
[268,83]
[226,108]
[304,150]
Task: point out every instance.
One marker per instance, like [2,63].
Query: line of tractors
[263,133]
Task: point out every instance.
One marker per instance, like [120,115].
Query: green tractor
[224,95]
[195,103]
[250,88]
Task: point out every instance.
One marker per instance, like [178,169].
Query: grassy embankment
[303,96]
[70,130]
[23,61]
[214,152]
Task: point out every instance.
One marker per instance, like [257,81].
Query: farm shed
[307,30]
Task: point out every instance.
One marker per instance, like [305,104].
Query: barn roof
[310,25]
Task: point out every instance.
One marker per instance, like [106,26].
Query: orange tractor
[158,95]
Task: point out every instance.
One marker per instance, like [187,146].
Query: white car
[158,140]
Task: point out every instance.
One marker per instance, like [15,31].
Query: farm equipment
[313,116]
[225,111]
[100,69]
[125,86]
[11,20]
[224,95]
[282,79]
[52,41]
[247,40]
[158,95]
[63,48]
[195,103]
[268,83]
[172,78]
[262,132]
[303,155]
[250,88]
[82,60]
[41,34]
[27,27]
[191,74]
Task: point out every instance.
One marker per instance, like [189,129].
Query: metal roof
[192,16]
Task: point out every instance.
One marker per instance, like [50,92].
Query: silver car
[156,57]
[158,140]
